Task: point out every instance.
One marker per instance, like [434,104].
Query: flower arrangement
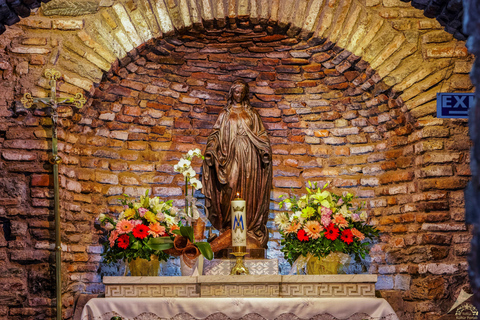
[322,222]
[143,229]
[185,243]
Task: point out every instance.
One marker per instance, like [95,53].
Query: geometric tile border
[319,286]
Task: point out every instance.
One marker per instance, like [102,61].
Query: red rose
[331,232]
[140,231]
[123,241]
[302,235]
[347,236]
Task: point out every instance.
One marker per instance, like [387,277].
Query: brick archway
[331,118]
[381,35]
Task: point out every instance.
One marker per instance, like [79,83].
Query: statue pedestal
[255,266]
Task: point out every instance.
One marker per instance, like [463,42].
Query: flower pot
[188,266]
[331,264]
[141,267]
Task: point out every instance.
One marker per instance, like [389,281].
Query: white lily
[170,221]
[158,208]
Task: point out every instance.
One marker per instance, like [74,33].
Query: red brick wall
[329,117]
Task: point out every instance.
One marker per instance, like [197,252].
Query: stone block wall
[352,104]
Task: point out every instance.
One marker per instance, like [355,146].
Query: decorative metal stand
[239,267]
[53,102]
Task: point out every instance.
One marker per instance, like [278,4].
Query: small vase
[331,264]
[141,267]
[188,266]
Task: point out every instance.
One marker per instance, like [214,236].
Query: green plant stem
[186,201]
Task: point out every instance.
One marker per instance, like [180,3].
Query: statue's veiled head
[238,93]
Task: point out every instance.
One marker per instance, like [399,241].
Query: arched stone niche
[371,133]
[330,118]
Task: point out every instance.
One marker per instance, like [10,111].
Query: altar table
[239,308]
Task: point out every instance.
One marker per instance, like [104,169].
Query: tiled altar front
[274,286]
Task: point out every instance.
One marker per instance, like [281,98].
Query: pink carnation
[326,211]
[355,217]
[142,211]
[136,222]
[326,220]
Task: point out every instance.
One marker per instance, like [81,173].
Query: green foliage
[137,249]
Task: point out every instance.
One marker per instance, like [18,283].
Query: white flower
[101,217]
[154,202]
[196,183]
[158,208]
[302,203]
[174,210]
[137,205]
[109,226]
[282,220]
[170,221]
[344,211]
[288,205]
[121,216]
[189,173]
[197,152]
[160,216]
[297,215]
[364,216]
[184,163]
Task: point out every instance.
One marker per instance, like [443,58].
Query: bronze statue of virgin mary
[238,159]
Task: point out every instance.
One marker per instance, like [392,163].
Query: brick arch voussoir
[115,33]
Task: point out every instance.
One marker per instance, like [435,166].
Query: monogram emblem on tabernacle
[238,209]
[238,223]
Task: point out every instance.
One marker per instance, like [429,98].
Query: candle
[239,231]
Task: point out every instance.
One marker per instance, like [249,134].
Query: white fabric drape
[238,308]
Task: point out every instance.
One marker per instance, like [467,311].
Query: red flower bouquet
[322,222]
[143,230]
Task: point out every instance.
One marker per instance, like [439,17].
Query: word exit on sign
[454,105]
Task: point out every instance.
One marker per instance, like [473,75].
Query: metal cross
[53,101]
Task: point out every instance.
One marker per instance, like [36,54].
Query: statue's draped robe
[242,162]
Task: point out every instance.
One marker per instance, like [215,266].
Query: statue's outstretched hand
[266,158]
[208,159]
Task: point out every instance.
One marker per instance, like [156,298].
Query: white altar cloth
[238,308]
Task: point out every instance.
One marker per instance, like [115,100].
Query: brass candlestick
[239,268]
